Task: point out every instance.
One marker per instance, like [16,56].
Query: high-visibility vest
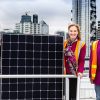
[79,45]
[94,60]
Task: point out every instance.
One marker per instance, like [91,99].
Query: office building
[84,14]
[35,18]
[26,26]
[44,28]
[62,33]
[98,30]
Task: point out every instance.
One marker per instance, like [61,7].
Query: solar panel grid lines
[31,54]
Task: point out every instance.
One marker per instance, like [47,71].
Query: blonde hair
[78,29]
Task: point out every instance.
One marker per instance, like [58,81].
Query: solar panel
[31,54]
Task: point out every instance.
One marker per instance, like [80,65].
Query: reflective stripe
[77,50]
[93,76]
[94,66]
[79,45]
[65,43]
[94,60]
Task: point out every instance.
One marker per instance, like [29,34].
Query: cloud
[56,13]
[98,9]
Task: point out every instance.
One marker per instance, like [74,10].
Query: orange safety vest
[94,60]
[79,45]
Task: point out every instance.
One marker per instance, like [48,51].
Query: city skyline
[31,25]
[57,13]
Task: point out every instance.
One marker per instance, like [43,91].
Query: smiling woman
[74,55]
[74,32]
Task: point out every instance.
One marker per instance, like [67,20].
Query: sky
[98,9]
[56,13]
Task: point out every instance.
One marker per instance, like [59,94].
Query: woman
[94,71]
[74,55]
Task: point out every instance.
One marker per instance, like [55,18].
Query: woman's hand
[80,74]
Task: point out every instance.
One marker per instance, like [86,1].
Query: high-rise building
[27,26]
[84,14]
[93,20]
[98,30]
[44,28]
[35,18]
[25,18]
[17,28]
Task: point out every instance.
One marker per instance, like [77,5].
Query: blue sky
[56,13]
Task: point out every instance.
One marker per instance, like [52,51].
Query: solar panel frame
[31,54]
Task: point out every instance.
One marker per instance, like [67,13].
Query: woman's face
[73,32]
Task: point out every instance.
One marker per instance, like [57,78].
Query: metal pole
[78,88]
[37,76]
[67,88]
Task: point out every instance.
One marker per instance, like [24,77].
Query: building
[98,30]
[44,28]
[35,18]
[26,26]
[84,14]
[62,33]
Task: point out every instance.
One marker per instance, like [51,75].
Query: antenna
[26,13]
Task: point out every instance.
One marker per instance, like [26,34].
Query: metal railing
[50,76]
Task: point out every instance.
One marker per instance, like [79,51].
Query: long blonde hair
[78,29]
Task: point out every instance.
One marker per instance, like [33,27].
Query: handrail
[78,88]
[37,76]
[47,76]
